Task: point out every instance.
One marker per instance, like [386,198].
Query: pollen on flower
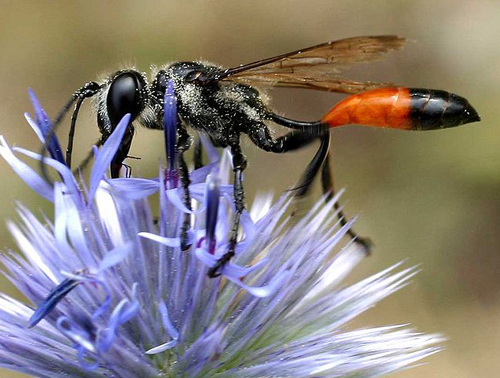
[114,295]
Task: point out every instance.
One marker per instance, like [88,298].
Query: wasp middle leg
[239,164]
[261,137]
[183,144]
[323,160]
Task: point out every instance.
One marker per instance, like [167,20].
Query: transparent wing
[318,67]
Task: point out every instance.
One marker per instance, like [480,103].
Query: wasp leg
[328,189]
[321,159]
[198,154]
[89,156]
[262,138]
[293,124]
[122,152]
[294,140]
[184,142]
[313,167]
[128,170]
[239,164]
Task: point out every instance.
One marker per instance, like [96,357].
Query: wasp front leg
[122,153]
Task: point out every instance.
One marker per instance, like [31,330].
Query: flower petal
[24,171]
[45,129]
[134,188]
[169,242]
[115,256]
[50,302]
[106,155]
[62,169]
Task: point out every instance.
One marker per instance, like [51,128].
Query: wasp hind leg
[328,189]
[305,133]
[320,160]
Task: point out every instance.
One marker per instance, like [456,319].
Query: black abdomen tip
[470,114]
[435,109]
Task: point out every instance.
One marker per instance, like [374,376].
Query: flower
[116,296]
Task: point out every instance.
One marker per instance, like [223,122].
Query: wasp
[224,103]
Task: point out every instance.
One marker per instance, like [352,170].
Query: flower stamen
[212,209]
[49,303]
[170,133]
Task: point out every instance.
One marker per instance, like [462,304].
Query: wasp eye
[125,95]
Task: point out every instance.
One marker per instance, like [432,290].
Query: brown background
[431,198]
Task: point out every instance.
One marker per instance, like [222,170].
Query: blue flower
[115,295]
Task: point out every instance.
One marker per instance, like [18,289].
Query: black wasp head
[126,92]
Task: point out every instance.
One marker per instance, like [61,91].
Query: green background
[431,198]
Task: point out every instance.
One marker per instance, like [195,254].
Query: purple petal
[61,168]
[122,313]
[45,128]
[50,302]
[170,125]
[106,155]
[115,256]
[61,220]
[174,196]
[200,175]
[24,171]
[134,188]
[212,213]
[237,271]
[34,126]
[262,291]
[206,258]
[169,327]
[86,361]
[229,270]
[162,347]
[75,333]
[169,242]
[212,153]
[167,324]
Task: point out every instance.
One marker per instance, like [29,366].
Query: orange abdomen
[385,107]
[402,108]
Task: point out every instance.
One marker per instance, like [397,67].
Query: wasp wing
[318,67]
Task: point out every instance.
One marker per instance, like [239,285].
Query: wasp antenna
[49,134]
[87,91]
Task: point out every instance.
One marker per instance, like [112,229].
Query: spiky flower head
[115,296]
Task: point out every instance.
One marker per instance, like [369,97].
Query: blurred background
[430,198]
